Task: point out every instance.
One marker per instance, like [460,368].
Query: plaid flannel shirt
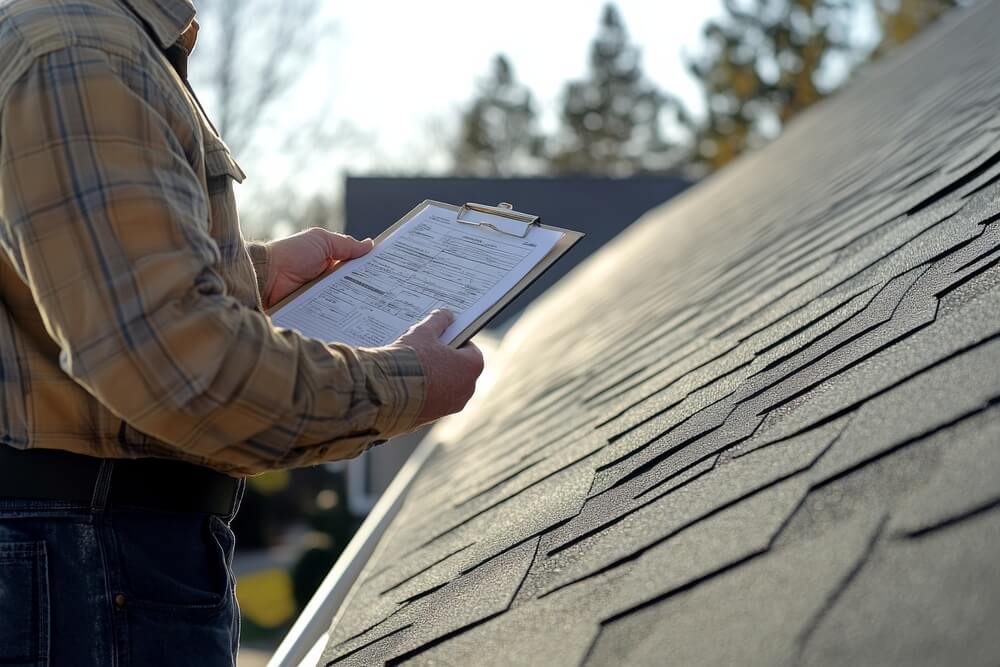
[130,313]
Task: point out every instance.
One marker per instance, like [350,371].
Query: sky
[397,73]
[426,60]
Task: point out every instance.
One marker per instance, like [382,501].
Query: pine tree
[498,135]
[766,61]
[610,121]
[762,67]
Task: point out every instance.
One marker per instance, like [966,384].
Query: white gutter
[307,638]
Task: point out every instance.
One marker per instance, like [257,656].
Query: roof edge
[327,602]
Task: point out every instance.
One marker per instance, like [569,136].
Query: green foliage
[766,62]
[611,120]
[498,133]
[762,66]
[901,20]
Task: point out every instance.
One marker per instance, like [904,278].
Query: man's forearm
[248,397]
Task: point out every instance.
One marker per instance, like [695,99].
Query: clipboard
[502,219]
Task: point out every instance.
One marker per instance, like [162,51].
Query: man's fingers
[363,247]
[472,354]
[436,323]
[342,247]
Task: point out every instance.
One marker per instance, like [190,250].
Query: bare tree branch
[256,51]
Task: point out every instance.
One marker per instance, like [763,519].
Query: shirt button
[120,601]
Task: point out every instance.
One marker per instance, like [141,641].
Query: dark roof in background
[760,428]
[599,207]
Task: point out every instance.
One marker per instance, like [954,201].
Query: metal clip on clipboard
[514,223]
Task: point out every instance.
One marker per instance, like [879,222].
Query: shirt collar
[169,19]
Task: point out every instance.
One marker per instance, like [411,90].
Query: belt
[157,484]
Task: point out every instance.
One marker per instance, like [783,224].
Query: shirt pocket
[24,604]
[220,166]
[221,171]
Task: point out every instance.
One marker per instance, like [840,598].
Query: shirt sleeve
[107,223]
[260,257]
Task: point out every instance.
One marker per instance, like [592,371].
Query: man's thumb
[436,323]
[342,247]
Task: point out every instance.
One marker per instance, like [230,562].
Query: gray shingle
[761,427]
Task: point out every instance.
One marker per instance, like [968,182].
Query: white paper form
[430,262]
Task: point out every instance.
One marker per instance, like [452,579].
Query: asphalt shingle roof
[760,427]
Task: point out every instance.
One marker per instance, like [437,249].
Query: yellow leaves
[902,20]
[744,82]
[270,482]
[266,597]
[790,42]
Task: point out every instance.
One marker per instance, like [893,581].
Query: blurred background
[346,115]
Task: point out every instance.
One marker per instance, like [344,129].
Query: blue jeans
[88,586]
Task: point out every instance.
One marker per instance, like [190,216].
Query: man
[140,378]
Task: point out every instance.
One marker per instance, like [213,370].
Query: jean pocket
[176,564]
[24,604]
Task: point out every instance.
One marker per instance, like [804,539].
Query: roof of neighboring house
[599,207]
[760,427]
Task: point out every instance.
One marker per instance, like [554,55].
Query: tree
[901,20]
[249,53]
[768,60]
[498,134]
[762,66]
[611,120]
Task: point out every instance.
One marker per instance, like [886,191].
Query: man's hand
[297,259]
[450,374]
